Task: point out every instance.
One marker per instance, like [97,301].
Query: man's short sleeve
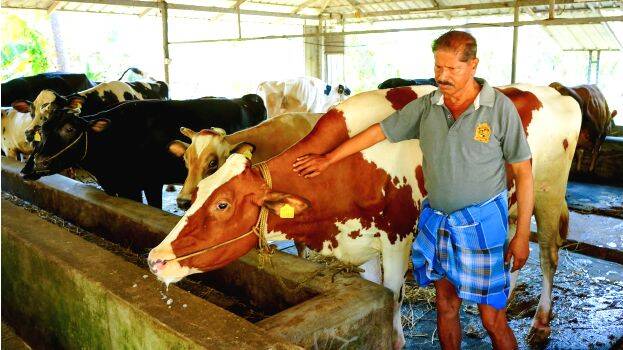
[404,124]
[514,143]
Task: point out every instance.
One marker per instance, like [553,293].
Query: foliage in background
[23,51]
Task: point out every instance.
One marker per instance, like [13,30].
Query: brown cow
[596,119]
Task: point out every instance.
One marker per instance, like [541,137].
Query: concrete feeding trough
[314,307]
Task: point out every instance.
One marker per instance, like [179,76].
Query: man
[467,132]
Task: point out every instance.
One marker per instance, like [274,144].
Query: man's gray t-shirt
[463,159]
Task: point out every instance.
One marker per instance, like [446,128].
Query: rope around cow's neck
[86,147]
[260,229]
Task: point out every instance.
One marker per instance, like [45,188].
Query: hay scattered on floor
[415,294]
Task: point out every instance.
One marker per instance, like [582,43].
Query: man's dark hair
[459,42]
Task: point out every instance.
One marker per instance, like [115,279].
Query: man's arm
[518,248]
[311,165]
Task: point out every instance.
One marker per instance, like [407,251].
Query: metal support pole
[164,10]
[239,25]
[515,38]
[597,67]
[552,7]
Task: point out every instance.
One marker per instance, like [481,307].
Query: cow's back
[552,130]
[27,88]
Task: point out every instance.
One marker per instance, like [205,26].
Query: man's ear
[274,201]
[243,148]
[178,148]
[22,106]
[100,125]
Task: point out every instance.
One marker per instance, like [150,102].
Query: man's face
[451,73]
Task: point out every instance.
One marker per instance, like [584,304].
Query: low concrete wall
[327,311]
[62,292]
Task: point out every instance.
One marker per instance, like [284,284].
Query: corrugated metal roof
[570,37]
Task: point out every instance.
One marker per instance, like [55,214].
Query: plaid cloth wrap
[466,246]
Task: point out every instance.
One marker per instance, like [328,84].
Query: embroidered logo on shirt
[483,133]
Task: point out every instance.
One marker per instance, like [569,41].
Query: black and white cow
[97,99]
[126,148]
[399,82]
[27,88]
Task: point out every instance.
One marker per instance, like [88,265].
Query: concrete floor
[588,309]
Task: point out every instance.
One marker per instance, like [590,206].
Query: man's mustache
[444,82]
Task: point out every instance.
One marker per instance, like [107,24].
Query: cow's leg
[395,262]
[552,218]
[153,193]
[372,270]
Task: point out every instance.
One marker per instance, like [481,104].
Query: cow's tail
[135,71]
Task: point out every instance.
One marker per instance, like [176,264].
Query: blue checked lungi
[467,247]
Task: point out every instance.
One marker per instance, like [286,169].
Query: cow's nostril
[183,203]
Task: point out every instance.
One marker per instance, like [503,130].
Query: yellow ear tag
[247,155]
[286,212]
[37,137]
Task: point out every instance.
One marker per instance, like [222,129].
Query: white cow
[305,94]
[14,142]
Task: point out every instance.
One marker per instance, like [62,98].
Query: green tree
[23,51]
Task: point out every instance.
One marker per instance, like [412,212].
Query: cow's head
[43,106]
[64,138]
[227,207]
[205,154]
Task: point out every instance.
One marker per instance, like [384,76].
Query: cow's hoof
[538,336]
[170,188]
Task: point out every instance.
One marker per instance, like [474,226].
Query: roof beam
[324,6]
[173,6]
[466,7]
[547,22]
[303,5]
[359,12]
[53,6]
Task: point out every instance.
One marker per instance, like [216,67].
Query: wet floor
[588,308]
[593,198]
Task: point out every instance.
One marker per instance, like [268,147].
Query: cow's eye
[212,163]
[222,205]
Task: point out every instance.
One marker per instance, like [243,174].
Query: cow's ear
[22,106]
[100,125]
[75,103]
[276,201]
[187,132]
[178,148]
[244,148]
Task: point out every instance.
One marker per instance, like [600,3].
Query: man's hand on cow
[311,165]
[519,250]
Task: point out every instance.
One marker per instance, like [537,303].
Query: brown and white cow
[209,148]
[596,119]
[363,210]
[304,94]
[14,143]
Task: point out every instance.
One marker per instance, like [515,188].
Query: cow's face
[205,154]
[42,108]
[227,207]
[452,74]
[63,142]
